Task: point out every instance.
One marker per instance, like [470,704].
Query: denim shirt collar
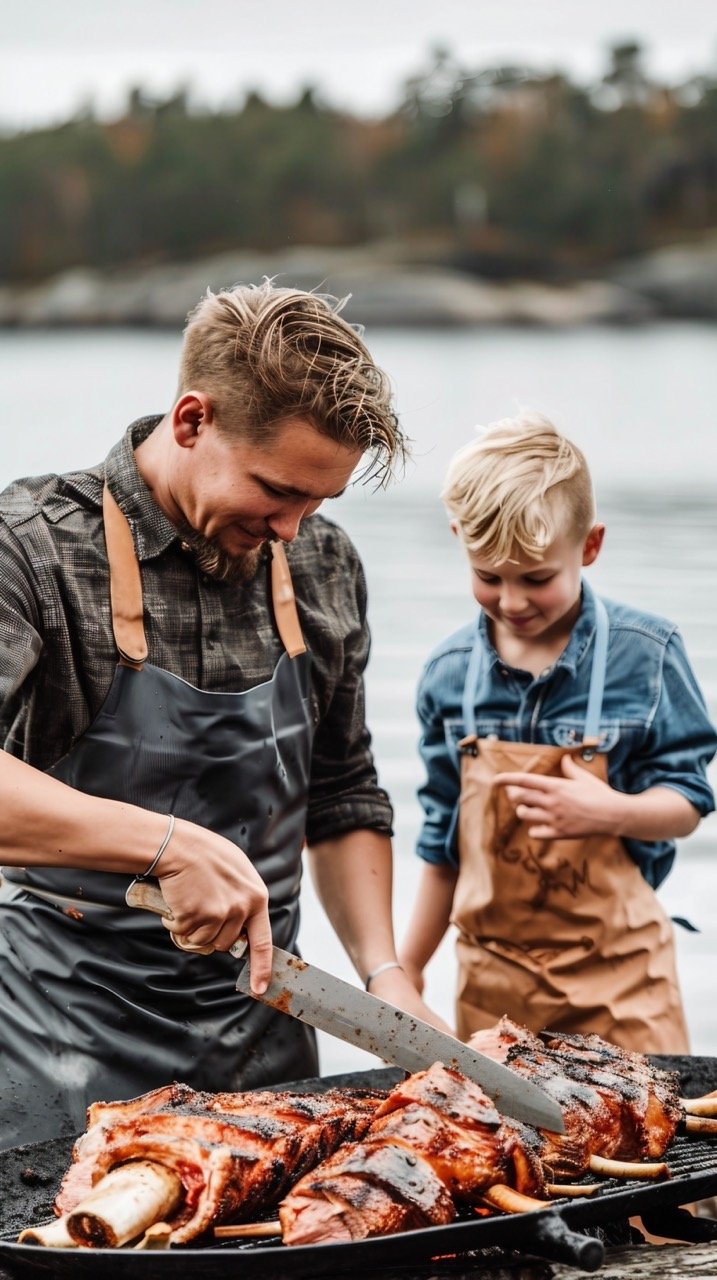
[578,645]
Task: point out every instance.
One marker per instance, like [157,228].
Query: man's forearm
[353,878]
[211,887]
[44,822]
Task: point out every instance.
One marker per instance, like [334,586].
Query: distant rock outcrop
[679,281]
[380,291]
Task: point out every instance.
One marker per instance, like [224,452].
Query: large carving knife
[332,1005]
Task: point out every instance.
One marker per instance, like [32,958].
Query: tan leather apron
[558,934]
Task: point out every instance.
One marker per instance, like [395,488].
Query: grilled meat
[652,1107]
[366,1164]
[615,1104]
[437,1140]
[372,1188]
[235,1154]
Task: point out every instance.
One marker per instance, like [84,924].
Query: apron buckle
[588,747]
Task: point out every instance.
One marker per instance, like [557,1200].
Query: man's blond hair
[265,354]
[517,488]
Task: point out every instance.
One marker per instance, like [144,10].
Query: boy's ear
[455,529]
[593,544]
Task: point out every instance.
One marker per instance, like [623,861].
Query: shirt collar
[153,533]
[577,646]
[582,633]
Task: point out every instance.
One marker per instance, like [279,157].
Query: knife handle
[149,897]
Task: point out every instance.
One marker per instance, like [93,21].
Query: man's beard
[212,559]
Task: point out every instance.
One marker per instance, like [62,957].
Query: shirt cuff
[350,814]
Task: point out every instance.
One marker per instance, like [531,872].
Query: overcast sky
[58,54]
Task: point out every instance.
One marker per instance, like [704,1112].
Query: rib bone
[628,1168]
[125,1203]
[706,1106]
[571,1189]
[54,1236]
[255,1229]
[701,1124]
[510,1201]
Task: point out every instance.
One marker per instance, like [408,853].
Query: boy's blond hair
[517,488]
[265,354]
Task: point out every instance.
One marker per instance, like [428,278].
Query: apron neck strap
[591,734]
[125,585]
[126,591]
[284,601]
[475,663]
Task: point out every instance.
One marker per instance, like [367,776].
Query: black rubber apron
[95,1000]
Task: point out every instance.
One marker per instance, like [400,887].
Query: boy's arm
[429,919]
[439,796]
[579,804]
[668,787]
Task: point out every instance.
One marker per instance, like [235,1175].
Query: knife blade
[330,1004]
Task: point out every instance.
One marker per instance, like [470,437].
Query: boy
[565,742]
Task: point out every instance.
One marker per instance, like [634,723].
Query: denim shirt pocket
[569,733]
[454,731]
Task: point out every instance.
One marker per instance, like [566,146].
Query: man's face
[233,495]
[536,600]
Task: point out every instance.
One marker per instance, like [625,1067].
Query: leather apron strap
[125,585]
[284,602]
[126,591]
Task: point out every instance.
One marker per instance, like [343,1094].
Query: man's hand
[215,893]
[578,804]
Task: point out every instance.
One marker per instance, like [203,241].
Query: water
[642,403]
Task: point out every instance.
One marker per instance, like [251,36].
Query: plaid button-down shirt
[57,652]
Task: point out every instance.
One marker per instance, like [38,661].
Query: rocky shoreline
[680,281]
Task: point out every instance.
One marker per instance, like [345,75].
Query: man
[173,706]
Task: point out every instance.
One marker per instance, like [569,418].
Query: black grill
[572,1231]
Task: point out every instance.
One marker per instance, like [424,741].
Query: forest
[500,171]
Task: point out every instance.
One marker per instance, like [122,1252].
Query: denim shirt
[654,725]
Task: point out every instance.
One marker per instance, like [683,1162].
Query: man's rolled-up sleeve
[344,794]
[20,640]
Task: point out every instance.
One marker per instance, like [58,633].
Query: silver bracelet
[160,851]
[387,964]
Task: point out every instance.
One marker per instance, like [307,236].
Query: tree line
[500,170]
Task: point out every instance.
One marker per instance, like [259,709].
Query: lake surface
[642,403]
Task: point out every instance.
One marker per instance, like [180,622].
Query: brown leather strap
[125,585]
[284,601]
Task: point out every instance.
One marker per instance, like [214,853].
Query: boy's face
[536,600]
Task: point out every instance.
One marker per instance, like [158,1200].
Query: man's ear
[593,544]
[192,411]
[455,528]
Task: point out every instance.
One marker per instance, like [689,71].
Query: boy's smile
[536,600]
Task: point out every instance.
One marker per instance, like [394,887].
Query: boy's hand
[578,804]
